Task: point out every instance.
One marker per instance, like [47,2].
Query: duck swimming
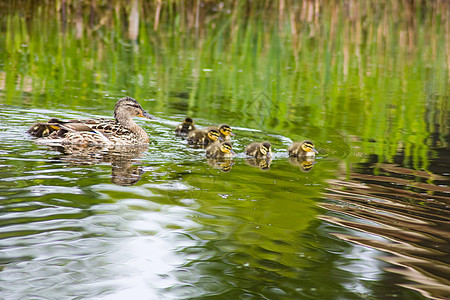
[225,131]
[302,149]
[203,137]
[121,130]
[185,127]
[220,150]
[259,150]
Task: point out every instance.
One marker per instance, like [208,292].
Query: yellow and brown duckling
[302,149]
[185,127]
[259,150]
[203,137]
[225,131]
[220,150]
[101,131]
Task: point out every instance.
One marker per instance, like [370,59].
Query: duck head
[127,108]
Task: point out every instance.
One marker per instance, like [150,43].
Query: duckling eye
[263,150]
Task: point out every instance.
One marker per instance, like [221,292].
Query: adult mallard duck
[185,127]
[259,150]
[302,149]
[203,137]
[120,131]
[220,150]
[225,131]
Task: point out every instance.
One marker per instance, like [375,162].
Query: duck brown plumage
[100,131]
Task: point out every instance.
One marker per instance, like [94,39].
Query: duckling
[185,127]
[302,149]
[225,131]
[40,129]
[203,137]
[90,132]
[220,150]
[259,150]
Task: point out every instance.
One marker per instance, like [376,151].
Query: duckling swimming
[225,131]
[101,131]
[220,150]
[203,137]
[259,150]
[185,127]
[302,149]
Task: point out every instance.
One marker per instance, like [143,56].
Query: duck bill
[232,152]
[315,151]
[147,115]
[232,134]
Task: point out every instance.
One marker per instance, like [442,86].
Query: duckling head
[226,130]
[227,148]
[214,134]
[188,121]
[265,149]
[127,108]
[308,147]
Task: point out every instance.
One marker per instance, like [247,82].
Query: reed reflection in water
[410,215]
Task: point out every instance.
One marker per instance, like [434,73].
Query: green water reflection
[370,89]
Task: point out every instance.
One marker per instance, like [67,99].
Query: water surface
[368,219]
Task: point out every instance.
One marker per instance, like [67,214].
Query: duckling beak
[232,134]
[315,151]
[147,115]
[232,152]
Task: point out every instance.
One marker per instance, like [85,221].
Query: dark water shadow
[124,160]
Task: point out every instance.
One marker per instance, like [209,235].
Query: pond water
[367,219]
